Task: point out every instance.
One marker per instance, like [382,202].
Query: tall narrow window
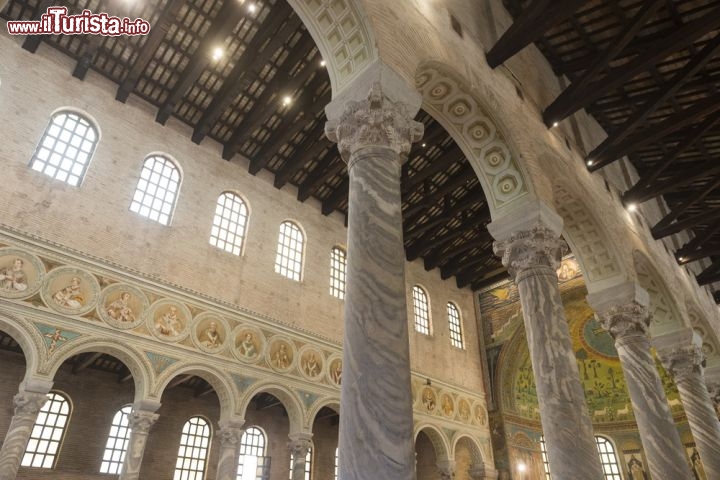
[288,261]
[337,272]
[193,451]
[421,309]
[455,325]
[157,189]
[543,453]
[66,147]
[337,464]
[252,455]
[117,442]
[228,228]
[308,464]
[608,459]
[47,433]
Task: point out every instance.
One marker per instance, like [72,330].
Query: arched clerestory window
[337,464]
[117,442]
[290,249]
[252,463]
[193,450]
[48,432]
[157,189]
[66,147]
[338,264]
[229,223]
[455,326]
[421,310]
[608,458]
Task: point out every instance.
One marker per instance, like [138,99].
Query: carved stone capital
[375,121]
[446,469]
[480,472]
[29,403]
[140,421]
[626,321]
[683,362]
[539,246]
[230,436]
[714,390]
[299,444]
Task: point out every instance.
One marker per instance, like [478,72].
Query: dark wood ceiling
[238,102]
[649,72]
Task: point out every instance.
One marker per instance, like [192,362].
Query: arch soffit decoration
[440,443]
[451,102]
[476,452]
[288,398]
[698,322]
[139,369]
[588,241]
[342,32]
[665,314]
[220,382]
[332,403]
[28,341]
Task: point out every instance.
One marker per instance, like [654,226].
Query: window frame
[613,450]
[182,459]
[126,441]
[168,160]
[279,255]
[63,431]
[236,197]
[92,125]
[243,445]
[335,282]
[459,333]
[427,309]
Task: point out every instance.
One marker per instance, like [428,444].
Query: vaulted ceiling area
[649,72]
[249,76]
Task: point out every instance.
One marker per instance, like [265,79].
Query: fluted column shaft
[532,257]
[229,437]
[299,446]
[27,407]
[376,422]
[140,422]
[628,324]
[685,365]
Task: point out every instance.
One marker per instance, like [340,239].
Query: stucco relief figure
[464,410]
[480,415]
[428,400]
[311,367]
[168,324]
[247,346]
[120,309]
[281,359]
[636,469]
[336,372]
[71,296]
[211,336]
[447,406]
[14,278]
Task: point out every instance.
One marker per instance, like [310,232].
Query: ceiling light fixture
[555,124]
[631,207]
[217,53]
[590,163]
[681,259]
[252,8]
[287,100]
[322,63]
[424,145]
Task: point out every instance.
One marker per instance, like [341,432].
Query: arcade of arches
[324,239]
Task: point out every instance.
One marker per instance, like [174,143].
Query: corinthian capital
[375,121]
[229,436]
[682,362]
[29,403]
[299,444]
[538,246]
[623,321]
[140,420]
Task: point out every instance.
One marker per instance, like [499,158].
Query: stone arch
[449,99]
[133,360]
[698,322]
[29,344]
[472,445]
[220,382]
[332,403]
[665,314]
[440,443]
[588,241]
[289,399]
[343,35]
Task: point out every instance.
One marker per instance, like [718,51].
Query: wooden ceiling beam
[469,271]
[221,27]
[710,275]
[459,263]
[706,251]
[565,104]
[124,375]
[93,42]
[179,380]
[529,26]
[271,35]
[708,168]
[84,361]
[677,81]
[460,178]
[430,241]
[314,143]
[437,257]
[203,389]
[497,276]
[440,164]
[654,132]
[677,211]
[659,232]
[700,239]
[149,49]
[450,211]
[328,167]
[269,101]
[32,42]
[336,197]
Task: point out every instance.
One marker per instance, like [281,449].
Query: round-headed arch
[665,316]
[471,444]
[333,403]
[289,399]
[29,344]
[440,442]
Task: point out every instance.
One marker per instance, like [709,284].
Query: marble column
[230,435]
[299,445]
[446,469]
[681,355]
[712,380]
[374,135]
[530,246]
[623,312]
[141,419]
[481,472]
[28,402]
